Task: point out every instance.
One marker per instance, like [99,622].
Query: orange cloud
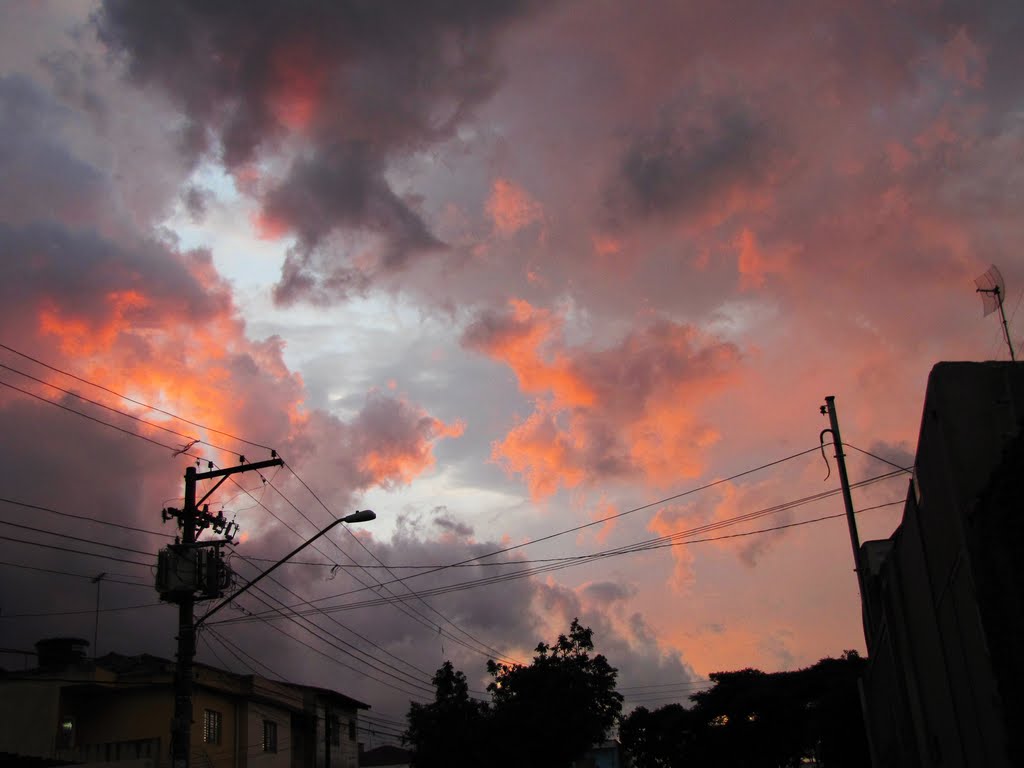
[626,410]
[395,440]
[755,262]
[511,208]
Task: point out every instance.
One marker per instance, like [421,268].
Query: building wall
[345,753]
[234,730]
[28,711]
[931,691]
[117,723]
[257,714]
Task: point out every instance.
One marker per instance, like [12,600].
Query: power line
[407,610]
[100,421]
[39,508]
[76,551]
[317,650]
[89,611]
[357,634]
[75,538]
[133,400]
[317,549]
[500,656]
[908,470]
[118,411]
[677,539]
[90,577]
[599,521]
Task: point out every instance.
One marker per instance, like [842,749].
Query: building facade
[943,595]
[117,711]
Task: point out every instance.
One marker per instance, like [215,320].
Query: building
[117,711]
[944,595]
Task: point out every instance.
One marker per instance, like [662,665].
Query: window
[351,730]
[212,726]
[335,727]
[66,733]
[269,736]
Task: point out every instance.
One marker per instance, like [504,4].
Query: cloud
[629,409]
[511,208]
[41,177]
[358,86]
[608,591]
[706,158]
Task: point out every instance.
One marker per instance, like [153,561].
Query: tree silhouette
[549,713]
[751,719]
[450,731]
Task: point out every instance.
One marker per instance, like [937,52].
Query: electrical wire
[315,630]
[132,400]
[39,508]
[908,470]
[90,577]
[75,551]
[599,521]
[128,432]
[487,649]
[316,548]
[81,612]
[679,538]
[118,411]
[357,634]
[75,538]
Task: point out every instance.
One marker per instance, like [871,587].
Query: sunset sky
[501,271]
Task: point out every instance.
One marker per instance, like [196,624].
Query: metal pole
[96,622]
[1006,328]
[181,725]
[353,518]
[844,481]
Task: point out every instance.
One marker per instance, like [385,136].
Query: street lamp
[182,722]
[360,516]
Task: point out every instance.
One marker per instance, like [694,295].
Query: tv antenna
[992,289]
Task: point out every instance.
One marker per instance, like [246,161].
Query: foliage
[656,738]
[751,719]
[546,714]
[450,731]
[559,706]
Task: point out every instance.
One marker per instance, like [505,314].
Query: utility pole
[96,621]
[829,409]
[188,567]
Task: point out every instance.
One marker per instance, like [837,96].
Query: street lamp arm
[356,517]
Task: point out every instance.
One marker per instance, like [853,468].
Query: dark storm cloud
[364,83]
[41,178]
[79,272]
[699,154]
[344,186]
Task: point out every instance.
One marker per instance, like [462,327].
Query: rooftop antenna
[992,289]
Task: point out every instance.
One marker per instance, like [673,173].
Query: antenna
[992,289]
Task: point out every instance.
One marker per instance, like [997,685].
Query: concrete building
[944,595]
[117,710]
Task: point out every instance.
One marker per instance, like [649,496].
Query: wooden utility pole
[829,409]
[188,567]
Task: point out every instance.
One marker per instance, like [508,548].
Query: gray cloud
[700,152]
[364,83]
[608,591]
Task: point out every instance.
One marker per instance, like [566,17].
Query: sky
[540,279]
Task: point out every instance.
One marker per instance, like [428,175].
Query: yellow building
[117,710]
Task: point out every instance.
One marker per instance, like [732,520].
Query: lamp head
[362,516]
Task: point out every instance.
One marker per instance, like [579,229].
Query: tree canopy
[749,718]
[560,705]
[546,714]
[448,732]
